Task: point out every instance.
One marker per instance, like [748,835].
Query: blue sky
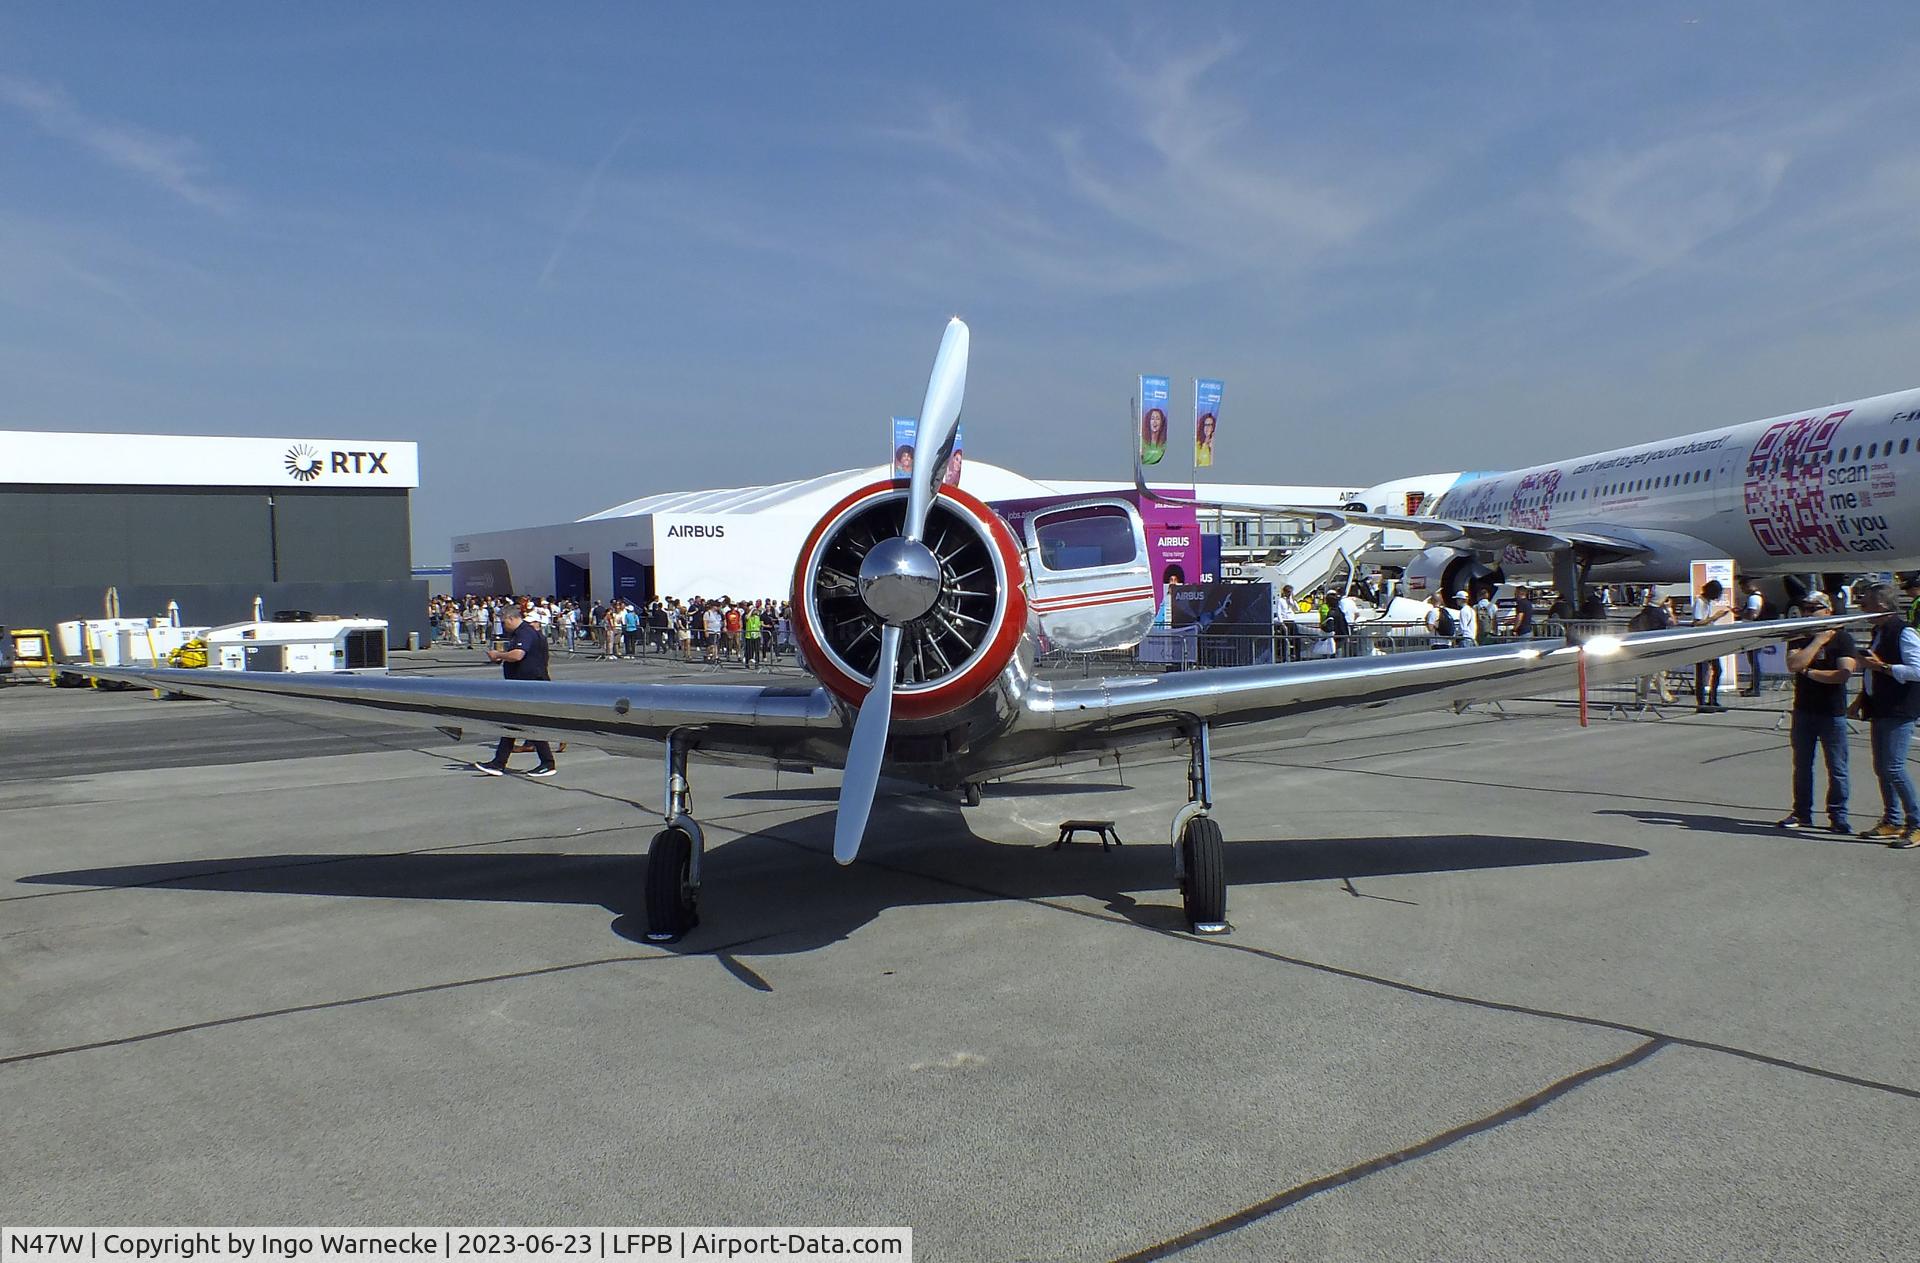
[582,254]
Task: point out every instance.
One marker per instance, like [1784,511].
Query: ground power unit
[327,644]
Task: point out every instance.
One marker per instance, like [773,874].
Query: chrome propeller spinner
[899,579]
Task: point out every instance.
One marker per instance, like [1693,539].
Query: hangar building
[743,541]
[316,524]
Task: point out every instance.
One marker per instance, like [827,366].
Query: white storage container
[336,644]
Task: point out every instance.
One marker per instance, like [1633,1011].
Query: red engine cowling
[950,655]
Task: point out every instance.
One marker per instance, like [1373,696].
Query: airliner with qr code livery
[1816,490]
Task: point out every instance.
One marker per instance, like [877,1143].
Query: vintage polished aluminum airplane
[919,613]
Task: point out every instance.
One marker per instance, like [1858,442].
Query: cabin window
[1873,450]
[1903,446]
[1081,539]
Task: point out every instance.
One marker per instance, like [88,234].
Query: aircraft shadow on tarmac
[782,883]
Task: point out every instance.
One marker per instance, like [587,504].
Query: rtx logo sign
[359,462]
[303,463]
[695,531]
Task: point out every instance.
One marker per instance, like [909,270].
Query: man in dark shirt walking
[1820,665]
[522,657]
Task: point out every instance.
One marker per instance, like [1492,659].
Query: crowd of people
[752,634]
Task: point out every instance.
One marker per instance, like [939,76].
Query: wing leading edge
[1289,699]
[784,723]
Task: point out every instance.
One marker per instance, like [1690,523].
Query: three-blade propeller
[900,581]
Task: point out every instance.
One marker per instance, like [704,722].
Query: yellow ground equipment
[32,647]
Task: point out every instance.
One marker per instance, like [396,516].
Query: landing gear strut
[1199,851]
[1570,570]
[673,861]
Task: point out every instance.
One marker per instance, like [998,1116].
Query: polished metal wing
[783,723]
[1290,699]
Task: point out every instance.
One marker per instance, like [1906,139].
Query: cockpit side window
[1082,539]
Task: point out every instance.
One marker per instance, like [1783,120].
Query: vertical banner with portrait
[1206,418]
[1155,394]
[904,431]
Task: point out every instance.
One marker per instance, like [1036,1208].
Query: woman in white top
[1708,609]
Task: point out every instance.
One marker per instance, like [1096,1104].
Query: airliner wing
[625,718]
[1483,535]
[1289,699]
[1487,536]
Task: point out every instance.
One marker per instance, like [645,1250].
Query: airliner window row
[1650,484]
[1869,451]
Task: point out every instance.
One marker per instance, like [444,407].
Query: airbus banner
[905,429]
[1206,418]
[179,460]
[1154,394]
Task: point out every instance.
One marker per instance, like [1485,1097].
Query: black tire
[970,794]
[1203,884]
[672,906]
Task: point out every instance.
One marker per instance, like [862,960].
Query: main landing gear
[673,861]
[1199,850]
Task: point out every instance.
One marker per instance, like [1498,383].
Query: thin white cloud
[1659,203]
[173,163]
[1187,162]
[947,128]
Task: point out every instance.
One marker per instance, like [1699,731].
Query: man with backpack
[1340,627]
[1442,627]
[1652,616]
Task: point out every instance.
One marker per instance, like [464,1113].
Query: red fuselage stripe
[1092,598]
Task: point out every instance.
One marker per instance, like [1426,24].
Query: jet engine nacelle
[1446,570]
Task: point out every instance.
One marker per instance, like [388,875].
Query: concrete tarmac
[1498,988]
